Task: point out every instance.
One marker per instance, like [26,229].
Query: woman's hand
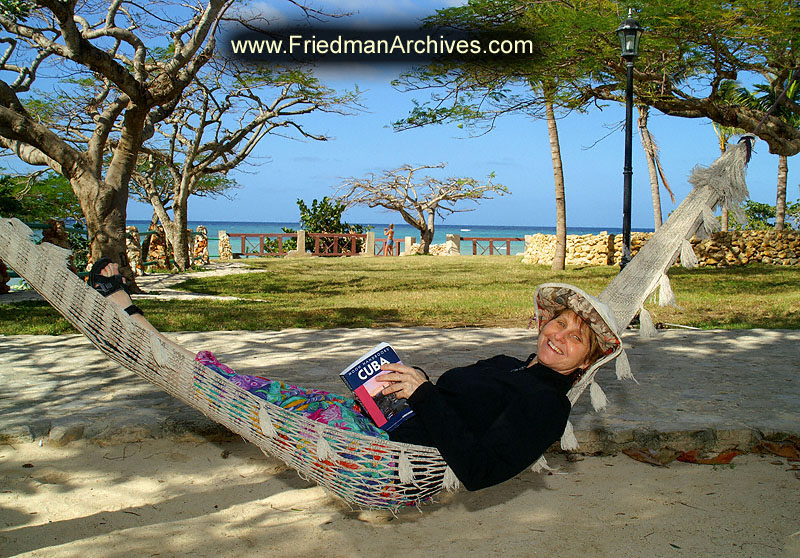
[404,380]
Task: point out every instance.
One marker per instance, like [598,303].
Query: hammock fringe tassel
[450,482]
[665,295]
[647,329]
[597,396]
[688,257]
[540,466]
[265,423]
[404,469]
[568,440]
[623,368]
[710,222]
[324,450]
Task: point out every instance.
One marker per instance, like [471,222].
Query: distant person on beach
[489,420]
[389,232]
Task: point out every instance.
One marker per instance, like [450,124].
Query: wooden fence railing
[337,244]
[262,245]
[485,243]
[351,244]
[380,247]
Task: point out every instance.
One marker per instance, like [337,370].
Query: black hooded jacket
[489,420]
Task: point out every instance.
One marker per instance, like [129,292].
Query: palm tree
[653,165]
[724,133]
[766,100]
[560,255]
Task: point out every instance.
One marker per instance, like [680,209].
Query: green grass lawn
[431,291]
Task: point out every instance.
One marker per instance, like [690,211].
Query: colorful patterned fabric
[315,404]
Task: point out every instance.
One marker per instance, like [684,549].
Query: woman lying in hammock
[490,420]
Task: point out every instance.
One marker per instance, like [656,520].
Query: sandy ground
[192,497]
[196,498]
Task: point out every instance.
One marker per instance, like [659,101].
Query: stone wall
[159,250]
[743,247]
[638,239]
[225,248]
[584,249]
[446,249]
[721,249]
[199,246]
[133,247]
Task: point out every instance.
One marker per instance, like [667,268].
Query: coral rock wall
[721,249]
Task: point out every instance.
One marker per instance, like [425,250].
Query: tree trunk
[177,239]
[724,217]
[426,235]
[426,238]
[105,209]
[652,169]
[176,233]
[560,256]
[146,241]
[780,203]
[105,201]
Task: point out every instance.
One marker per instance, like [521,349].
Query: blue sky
[517,151]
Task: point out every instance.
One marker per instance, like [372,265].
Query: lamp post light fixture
[629,33]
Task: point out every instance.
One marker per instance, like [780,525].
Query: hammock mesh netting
[367,472]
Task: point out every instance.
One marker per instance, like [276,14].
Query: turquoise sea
[401,231]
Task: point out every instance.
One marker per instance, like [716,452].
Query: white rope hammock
[367,472]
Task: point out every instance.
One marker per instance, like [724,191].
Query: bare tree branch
[420,201]
[224,113]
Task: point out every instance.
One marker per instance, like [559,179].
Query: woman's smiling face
[564,343]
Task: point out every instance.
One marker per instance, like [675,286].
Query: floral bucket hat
[553,298]
[550,300]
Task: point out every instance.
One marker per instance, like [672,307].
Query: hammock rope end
[450,481]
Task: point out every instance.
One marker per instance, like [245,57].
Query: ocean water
[401,230]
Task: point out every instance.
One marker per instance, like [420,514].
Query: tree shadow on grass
[36,317]
[256,316]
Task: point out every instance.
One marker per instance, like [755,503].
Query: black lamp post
[629,33]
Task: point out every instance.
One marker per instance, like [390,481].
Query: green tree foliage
[10,206]
[689,50]
[16,10]
[793,215]
[162,184]
[476,92]
[767,98]
[761,216]
[80,248]
[323,216]
[39,198]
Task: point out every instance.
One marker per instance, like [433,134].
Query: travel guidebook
[363,379]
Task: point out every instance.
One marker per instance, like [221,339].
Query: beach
[96,462]
[147,476]
[191,497]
